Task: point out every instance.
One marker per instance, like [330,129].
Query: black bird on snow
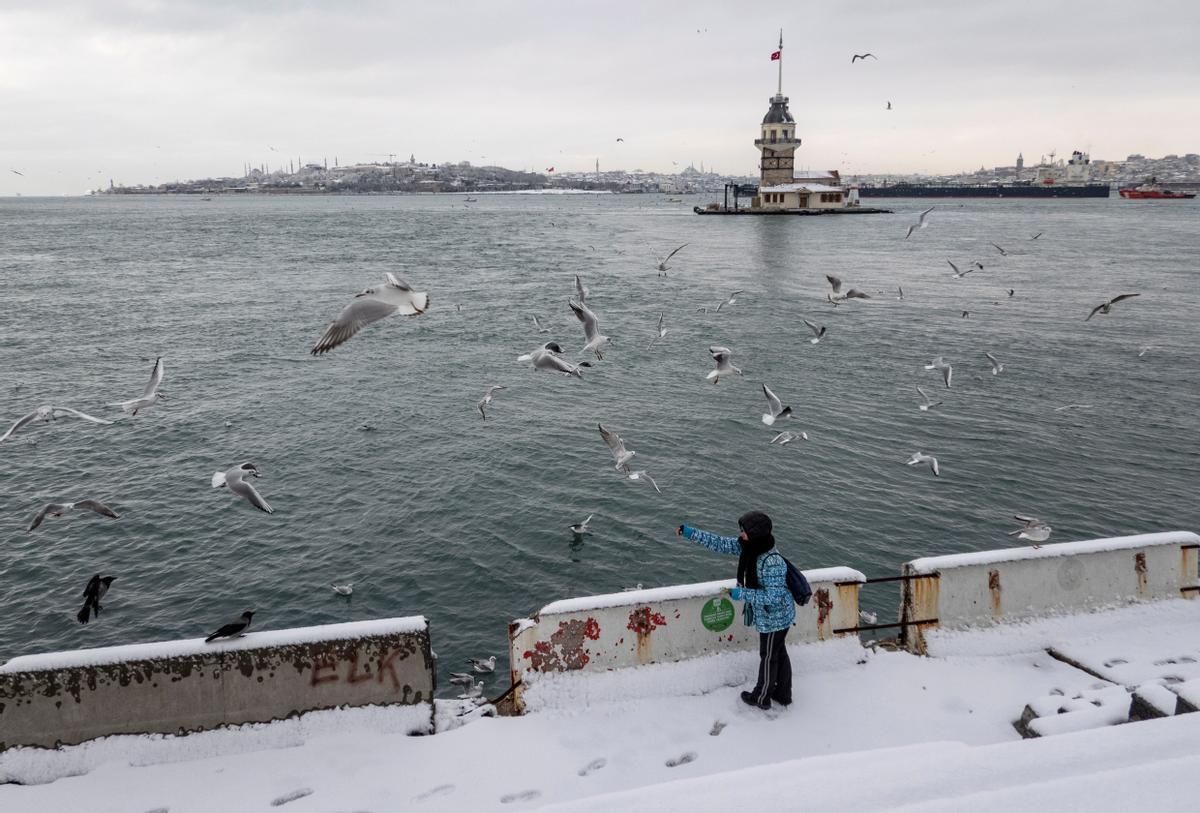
[95,590]
[233,629]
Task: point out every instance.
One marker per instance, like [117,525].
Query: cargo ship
[1069,180]
[1152,191]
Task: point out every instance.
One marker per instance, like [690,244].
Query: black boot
[749,699]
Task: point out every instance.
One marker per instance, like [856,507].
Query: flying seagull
[857,57]
[662,264]
[150,395]
[547,357]
[235,480]
[921,218]
[775,407]
[835,283]
[57,509]
[929,402]
[97,586]
[487,398]
[620,139]
[732,299]
[591,329]
[1102,308]
[482,666]
[390,297]
[50,413]
[818,331]
[784,438]
[959,274]
[723,356]
[1032,529]
[581,290]
[640,475]
[900,291]
[620,454]
[997,367]
[537,323]
[662,331]
[234,629]
[1002,251]
[941,365]
[581,528]
[1036,236]
[921,457]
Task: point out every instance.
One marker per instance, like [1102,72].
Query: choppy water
[439,512]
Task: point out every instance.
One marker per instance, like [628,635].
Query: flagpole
[780,90]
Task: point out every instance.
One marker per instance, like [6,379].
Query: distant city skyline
[146,93]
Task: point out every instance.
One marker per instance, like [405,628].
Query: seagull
[547,357]
[929,402]
[901,291]
[867,618]
[662,264]
[472,692]
[817,330]
[662,331]
[620,454]
[1032,529]
[50,413]
[946,370]
[777,409]
[836,284]
[639,475]
[921,221]
[14,172]
[150,395]
[921,457]
[1143,351]
[1102,308]
[620,139]
[97,586]
[461,679]
[997,367]
[732,299]
[1002,251]
[487,398]
[1012,291]
[1073,406]
[857,57]
[343,589]
[373,304]
[234,629]
[965,314]
[538,324]
[581,528]
[57,509]
[581,290]
[591,329]
[959,274]
[723,356]
[481,666]
[784,438]
[1036,236]
[235,480]
[889,107]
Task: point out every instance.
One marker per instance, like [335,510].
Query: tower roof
[778,114]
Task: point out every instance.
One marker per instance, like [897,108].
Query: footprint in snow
[440,790]
[717,728]
[523,796]
[291,796]
[593,766]
[682,759]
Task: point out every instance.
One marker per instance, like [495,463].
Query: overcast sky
[146,91]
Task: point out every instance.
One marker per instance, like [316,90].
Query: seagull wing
[921,217]
[581,289]
[364,310]
[650,480]
[19,424]
[955,267]
[925,395]
[673,253]
[1095,310]
[75,413]
[1002,251]
[1117,299]
[98,507]
[614,442]
[773,401]
[995,362]
[911,229]
[817,331]
[245,490]
[720,354]
[835,283]
[591,325]
[41,515]
[156,377]
[660,322]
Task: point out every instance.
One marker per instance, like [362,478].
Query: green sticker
[717,614]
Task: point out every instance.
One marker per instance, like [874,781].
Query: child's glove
[736,594]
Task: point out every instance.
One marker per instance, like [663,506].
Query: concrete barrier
[64,698]
[666,624]
[968,589]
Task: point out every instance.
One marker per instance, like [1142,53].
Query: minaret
[778,142]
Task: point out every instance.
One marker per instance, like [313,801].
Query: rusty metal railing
[902,624]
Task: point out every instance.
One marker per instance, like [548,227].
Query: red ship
[1152,191]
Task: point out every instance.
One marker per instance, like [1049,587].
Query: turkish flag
[775,55]
[549,169]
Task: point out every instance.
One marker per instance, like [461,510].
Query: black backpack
[797,584]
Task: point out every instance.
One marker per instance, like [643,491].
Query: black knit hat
[756,524]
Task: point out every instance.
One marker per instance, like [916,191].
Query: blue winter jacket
[774,607]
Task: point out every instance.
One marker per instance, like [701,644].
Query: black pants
[774,668]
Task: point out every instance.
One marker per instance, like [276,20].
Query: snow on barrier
[968,589]
[176,687]
[666,624]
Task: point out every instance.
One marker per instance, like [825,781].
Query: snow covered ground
[870,730]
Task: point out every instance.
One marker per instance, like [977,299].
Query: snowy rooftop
[811,188]
[870,730]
